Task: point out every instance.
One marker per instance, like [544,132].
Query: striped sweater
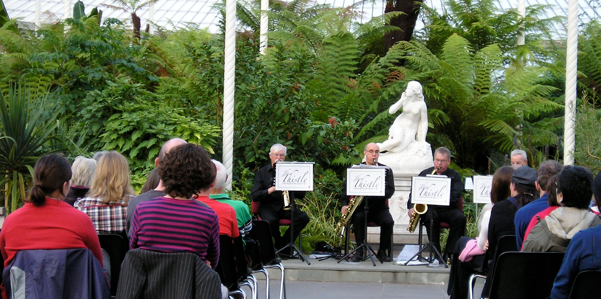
[172,225]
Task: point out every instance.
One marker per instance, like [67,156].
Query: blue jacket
[525,214]
[57,273]
[583,253]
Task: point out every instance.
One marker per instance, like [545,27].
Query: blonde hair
[83,171]
[111,178]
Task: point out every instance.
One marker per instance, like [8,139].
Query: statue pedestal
[405,165]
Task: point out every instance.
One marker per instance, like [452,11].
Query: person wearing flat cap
[523,191]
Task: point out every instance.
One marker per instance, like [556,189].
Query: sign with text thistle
[431,190]
[482,188]
[294,176]
[362,181]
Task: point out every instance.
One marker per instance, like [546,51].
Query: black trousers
[454,217]
[273,215]
[380,216]
[461,271]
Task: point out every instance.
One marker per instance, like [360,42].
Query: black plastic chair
[245,276]
[505,244]
[585,285]
[227,268]
[116,246]
[268,255]
[525,275]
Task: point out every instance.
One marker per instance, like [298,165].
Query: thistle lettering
[431,190]
[293,176]
[366,182]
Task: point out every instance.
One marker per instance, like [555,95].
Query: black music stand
[368,250]
[291,244]
[433,250]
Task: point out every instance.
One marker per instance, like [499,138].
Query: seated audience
[228,224]
[523,191]
[152,181]
[45,221]
[176,222]
[552,196]
[243,217]
[83,172]
[106,203]
[574,192]
[469,253]
[545,171]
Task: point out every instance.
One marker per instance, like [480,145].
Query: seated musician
[272,202]
[378,211]
[449,214]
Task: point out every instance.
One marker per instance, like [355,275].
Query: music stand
[368,250]
[291,244]
[433,249]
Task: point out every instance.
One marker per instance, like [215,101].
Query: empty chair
[505,244]
[525,275]
[152,274]
[585,285]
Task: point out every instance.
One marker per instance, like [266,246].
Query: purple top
[172,225]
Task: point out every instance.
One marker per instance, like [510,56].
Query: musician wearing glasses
[272,207]
[449,214]
[378,209]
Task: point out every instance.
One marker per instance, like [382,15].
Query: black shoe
[356,258]
[384,257]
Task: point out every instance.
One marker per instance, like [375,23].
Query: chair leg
[471,283]
[266,281]
[282,282]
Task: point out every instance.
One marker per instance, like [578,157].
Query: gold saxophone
[353,203]
[418,210]
[285,193]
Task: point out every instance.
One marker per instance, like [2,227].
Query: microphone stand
[368,250]
[291,244]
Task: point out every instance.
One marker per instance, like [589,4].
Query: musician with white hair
[519,158]
[272,201]
[378,211]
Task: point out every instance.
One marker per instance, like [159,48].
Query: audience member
[553,204]
[45,221]
[583,253]
[545,171]
[106,203]
[597,194]
[243,216]
[228,224]
[469,253]
[523,191]
[83,172]
[98,155]
[152,181]
[574,192]
[176,222]
[519,158]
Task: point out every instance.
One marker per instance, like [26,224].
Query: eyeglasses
[373,152]
[440,161]
[279,155]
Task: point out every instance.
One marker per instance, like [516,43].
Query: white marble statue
[412,124]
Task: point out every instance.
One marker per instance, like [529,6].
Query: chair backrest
[242,269]
[585,285]
[116,246]
[227,268]
[56,273]
[525,275]
[157,275]
[266,247]
[254,206]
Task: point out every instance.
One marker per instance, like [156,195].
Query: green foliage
[588,61]
[588,123]
[28,126]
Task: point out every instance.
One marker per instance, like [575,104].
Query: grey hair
[277,148]
[220,176]
[520,152]
[83,171]
[98,155]
[443,150]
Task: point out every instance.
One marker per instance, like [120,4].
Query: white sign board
[365,181]
[482,188]
[294,176]
[431,190]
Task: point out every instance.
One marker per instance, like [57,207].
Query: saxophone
[285,193]
[418,210]
[353,203]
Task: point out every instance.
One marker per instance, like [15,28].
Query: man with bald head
[378,211]
[159,190]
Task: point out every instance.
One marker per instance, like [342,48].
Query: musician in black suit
[378,209]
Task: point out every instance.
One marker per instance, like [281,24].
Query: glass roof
[179,13]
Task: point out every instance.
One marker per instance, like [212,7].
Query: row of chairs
[529,275]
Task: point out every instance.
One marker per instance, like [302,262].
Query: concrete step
[331,271]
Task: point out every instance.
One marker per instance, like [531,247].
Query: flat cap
[524,176]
